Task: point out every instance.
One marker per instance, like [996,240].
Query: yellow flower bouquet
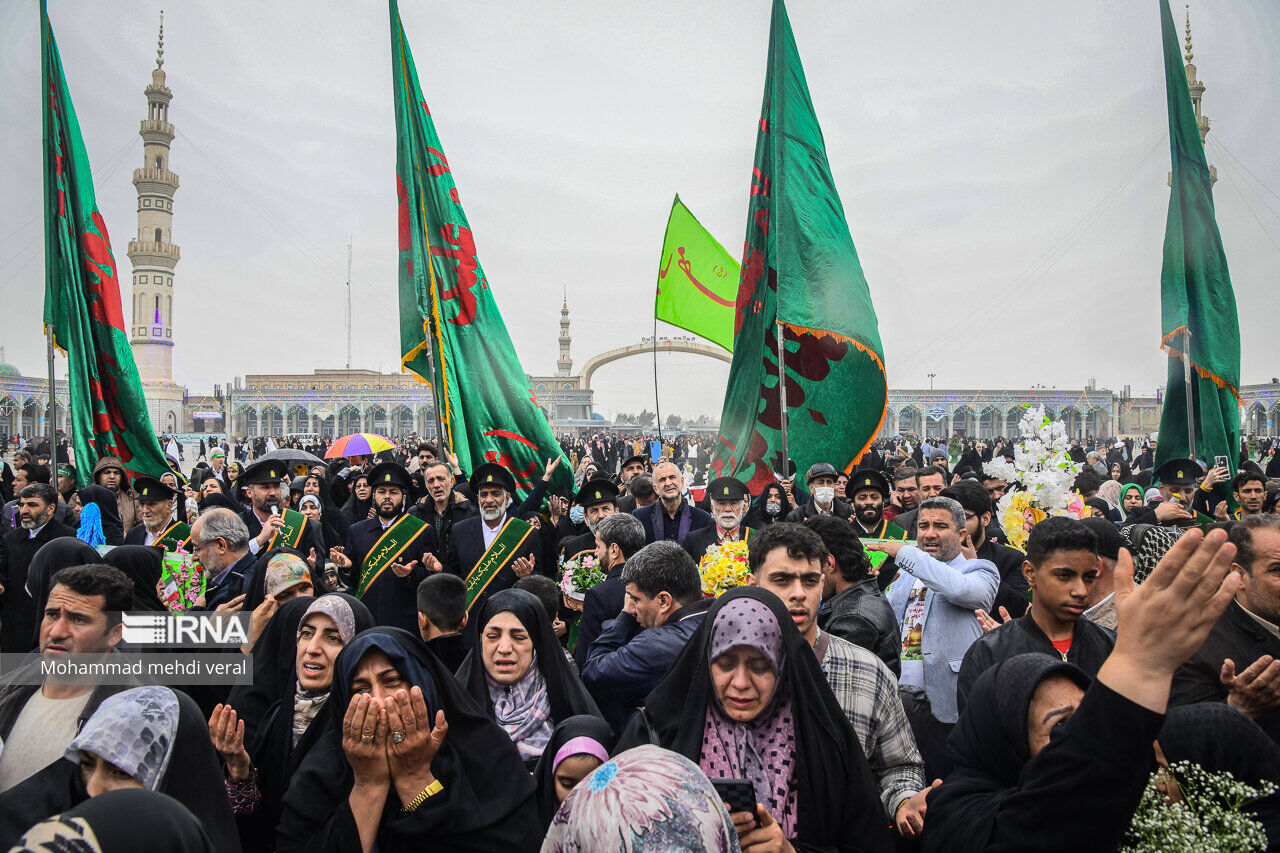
[723,567]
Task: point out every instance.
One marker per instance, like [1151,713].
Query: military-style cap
[149,489]
[866,478]
[820,469]
[727,489]
[490,474]
[264,471]
[390,474]
[1179,472]
[597,491]
[639,457]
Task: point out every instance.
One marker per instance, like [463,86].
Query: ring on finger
[398,737]
[367,737]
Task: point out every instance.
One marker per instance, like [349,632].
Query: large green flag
[82,294]
[697,280]
[800,273]
[1195,291]
[446,305]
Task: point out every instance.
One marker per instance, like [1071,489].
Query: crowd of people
[892,673]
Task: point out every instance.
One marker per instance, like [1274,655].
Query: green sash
[175,537]
[387,550]
[889,530]
[502,551]
[295,524]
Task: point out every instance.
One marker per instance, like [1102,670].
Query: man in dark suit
[1239,662]
[631,468]
[155,516]
[266,516]
[37,504]
[673,517]
[617,536]
[386,577]
[730,500]
[598,501]
[220,543]
[473,538]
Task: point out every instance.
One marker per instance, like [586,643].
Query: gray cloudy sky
[1002,167]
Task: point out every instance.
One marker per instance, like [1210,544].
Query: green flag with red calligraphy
[800,274]
[447,309]
[82,294]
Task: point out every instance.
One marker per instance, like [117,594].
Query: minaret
[565,365]
[1197,92]
[153,253]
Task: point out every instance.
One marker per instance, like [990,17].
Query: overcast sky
[1002,167]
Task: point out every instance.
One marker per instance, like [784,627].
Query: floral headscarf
[762,750]
[648,799]
[523,710]
[284,571]
[134,730]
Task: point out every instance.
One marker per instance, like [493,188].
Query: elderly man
[155,510]
[730,500]
[942,582]
[495,550]
[821,479]
[110,472]
[598,499]
[220,543]
[36,526]
[673,517]
[387,556]
[218,468]
[443,505]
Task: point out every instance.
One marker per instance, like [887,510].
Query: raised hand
[364,741]
[431,563]
[522,566]
[1256,690]
[988,622]
[413,741]
[339,558]
[227,734]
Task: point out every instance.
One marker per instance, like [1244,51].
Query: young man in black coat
[617,540]
[1061,568]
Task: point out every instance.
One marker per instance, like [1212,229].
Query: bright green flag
[1195,291]
[697,280]
[447,305]
[82,294]
[800,272]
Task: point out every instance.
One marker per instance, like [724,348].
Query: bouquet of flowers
[1208,815]
[1044,473]
[579,574]
[183,580]
[723,567]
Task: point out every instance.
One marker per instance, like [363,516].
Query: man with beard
[868,491]
[220,543]
[598,499]
[271,523]
[631,468]
[28,474]
[387,556]
[36,526]
[672,517]
[821,479]
[155,511]
[730,500]
[1014,592]
[443,505]
[495,550]
[618,536]
[906,494]
[1250,489]
[930,481]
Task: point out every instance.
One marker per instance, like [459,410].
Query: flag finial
[1189,54]
[160,43]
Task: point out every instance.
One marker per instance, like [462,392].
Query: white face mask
[773,507]
[824,495]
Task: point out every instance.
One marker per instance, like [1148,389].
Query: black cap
[866,478]
[639,457]
[150,489]
[490,474]
[820,469]
[727,489]
[390,474]
[1179,472]
[263,471]
[596,491]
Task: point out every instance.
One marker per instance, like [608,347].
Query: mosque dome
[8,371]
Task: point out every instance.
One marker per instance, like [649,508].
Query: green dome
[8,371]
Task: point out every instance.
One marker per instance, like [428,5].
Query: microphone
[275,510]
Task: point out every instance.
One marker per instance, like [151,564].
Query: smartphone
[739,794]
[1220,462]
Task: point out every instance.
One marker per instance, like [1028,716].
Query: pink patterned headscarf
[762,750]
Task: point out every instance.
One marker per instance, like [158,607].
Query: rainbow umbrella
[359,444]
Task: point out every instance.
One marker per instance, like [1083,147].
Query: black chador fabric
[53,556]
[193,778]
[144,565]
[837,799]
[1076,794]
[271,748]
[123,821]
[487,802]
[565,690]
[274,659]
[582,725]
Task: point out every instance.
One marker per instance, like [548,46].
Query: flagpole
[1191,401]
[782,398]
[53,418]
[656,407]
